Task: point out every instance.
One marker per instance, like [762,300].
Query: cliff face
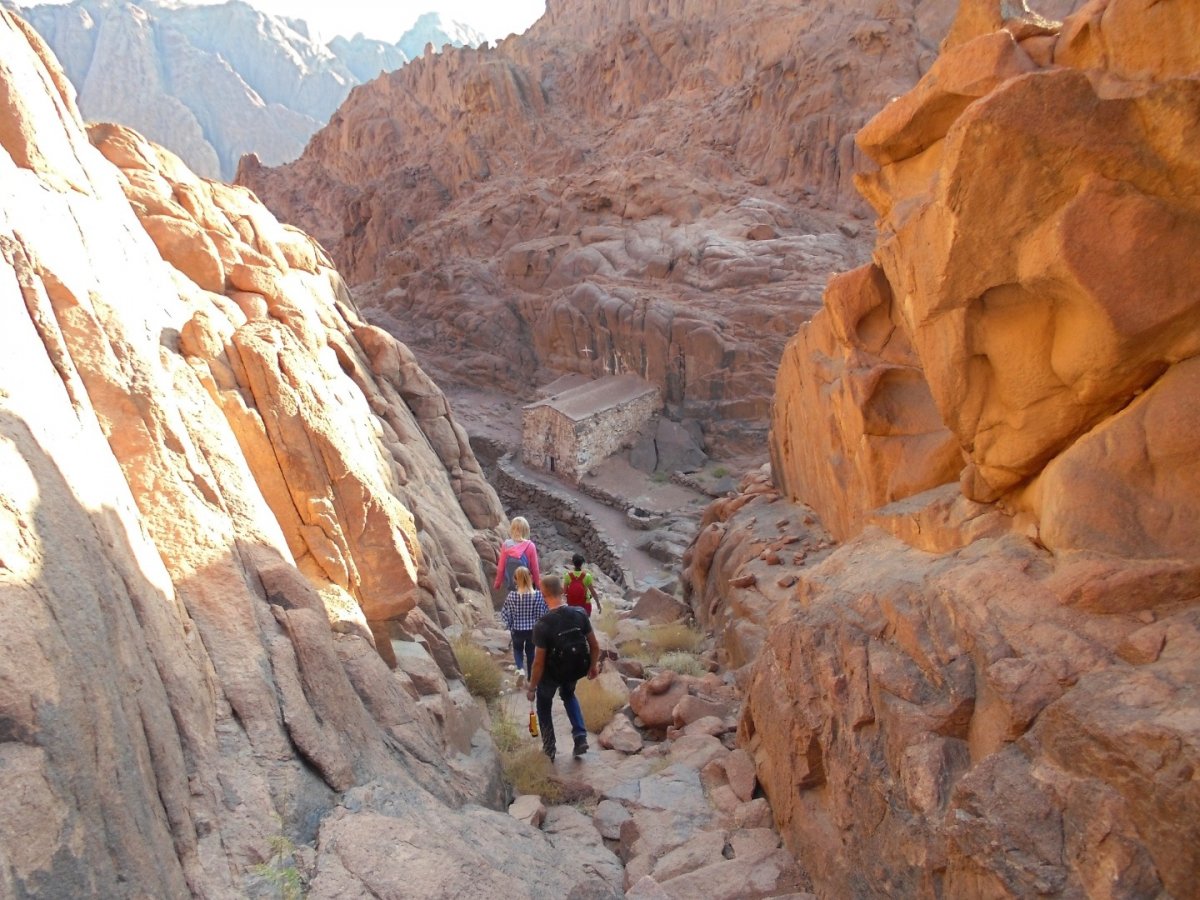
[989,688]
[214,82]
[218,485]
[645,187]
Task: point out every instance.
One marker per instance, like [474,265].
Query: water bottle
[533,723]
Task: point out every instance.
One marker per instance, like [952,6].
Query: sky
[387,21]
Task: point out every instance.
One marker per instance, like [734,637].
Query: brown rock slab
[659,608]
[739,767]
[691,709]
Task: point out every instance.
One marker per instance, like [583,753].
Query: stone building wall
[555,442]
[599,437]
[549,441]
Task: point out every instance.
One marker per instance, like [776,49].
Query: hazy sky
[387,20]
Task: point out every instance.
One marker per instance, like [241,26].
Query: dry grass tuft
[482,674]
[639,650]
[672,637]
[598,703]
[506,732]
[607,622]
[683,663]
[530,772]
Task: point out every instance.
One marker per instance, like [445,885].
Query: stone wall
[602,435]
[517,491]
[554,442]
[549,441]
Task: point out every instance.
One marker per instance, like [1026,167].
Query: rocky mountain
[647,187]
[225,498]
[661,188]
[967,593]
[214,82]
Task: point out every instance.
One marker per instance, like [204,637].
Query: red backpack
[577,592]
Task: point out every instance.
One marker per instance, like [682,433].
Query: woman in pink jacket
[517,551]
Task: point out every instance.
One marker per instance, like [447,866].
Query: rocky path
[663,787]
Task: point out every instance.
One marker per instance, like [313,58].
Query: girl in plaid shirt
[522,608]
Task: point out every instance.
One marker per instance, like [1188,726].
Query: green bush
[279,871]
[482,674]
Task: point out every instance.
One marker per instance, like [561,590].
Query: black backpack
[511,564]
[569,656]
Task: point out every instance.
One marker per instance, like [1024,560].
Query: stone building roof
[593,397]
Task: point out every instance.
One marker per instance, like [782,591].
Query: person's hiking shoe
[581,745]
[548,749]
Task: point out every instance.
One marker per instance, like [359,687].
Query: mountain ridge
[214,82]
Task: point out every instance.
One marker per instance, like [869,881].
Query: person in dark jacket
[561,624]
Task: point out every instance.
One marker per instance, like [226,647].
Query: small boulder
[608,818]
[739,766]
[654,701]
[658,607]
[691,709]
[678,450]
[697,750]
[631,668]
[528,808]
[619,734]
[702,850]
[708,725]
[755,814]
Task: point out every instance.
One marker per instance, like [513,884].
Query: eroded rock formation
[989,688]
[218,481]
[643,187]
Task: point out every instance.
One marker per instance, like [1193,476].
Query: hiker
[581,590]
[522,608]
[565,649]
[517,551]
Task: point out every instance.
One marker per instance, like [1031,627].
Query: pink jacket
[515,550]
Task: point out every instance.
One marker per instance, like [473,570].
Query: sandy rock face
[204,497]
[910,713]
[988,688]
[642,188]
[1023,347]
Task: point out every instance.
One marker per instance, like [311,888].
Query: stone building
[571,431]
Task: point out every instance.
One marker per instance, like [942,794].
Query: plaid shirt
[521,611]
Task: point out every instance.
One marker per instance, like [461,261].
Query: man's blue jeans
[546,690]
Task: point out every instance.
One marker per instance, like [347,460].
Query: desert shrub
[640,650]
[606,622]
[280,870]
[482,674]
[672,637]
[598,703]
[720,472]
[529,771]
[506,732]
[682,662]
